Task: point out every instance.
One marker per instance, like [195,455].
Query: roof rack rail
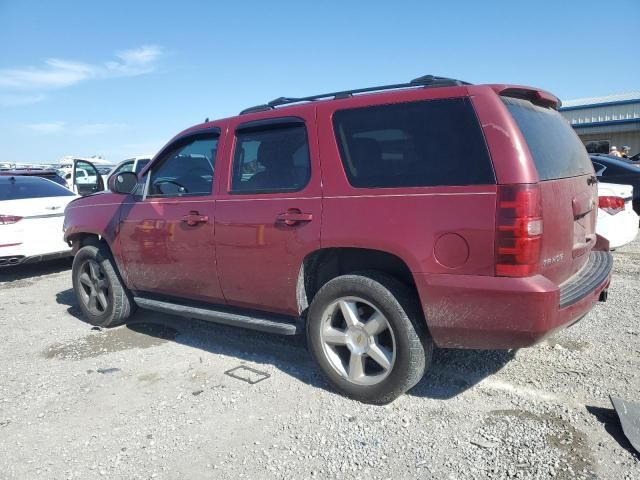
[426,81]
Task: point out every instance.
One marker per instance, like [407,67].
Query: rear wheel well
[324,265]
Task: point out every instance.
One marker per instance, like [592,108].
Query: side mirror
[123,183]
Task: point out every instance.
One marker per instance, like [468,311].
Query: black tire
[400,306]
[119,302]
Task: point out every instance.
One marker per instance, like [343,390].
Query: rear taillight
[7,219]
[611,205]
[518,230]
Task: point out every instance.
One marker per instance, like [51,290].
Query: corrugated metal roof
[619,97]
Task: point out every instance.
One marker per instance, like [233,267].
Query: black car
[36,172]
[621,171]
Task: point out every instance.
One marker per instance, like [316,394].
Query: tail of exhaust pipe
[10,261]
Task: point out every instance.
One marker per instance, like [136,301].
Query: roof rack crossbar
[426,81]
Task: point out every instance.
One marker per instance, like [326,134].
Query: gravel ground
[151,399]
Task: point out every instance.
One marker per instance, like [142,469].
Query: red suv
[380,221]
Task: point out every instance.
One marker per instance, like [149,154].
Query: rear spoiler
[534,95]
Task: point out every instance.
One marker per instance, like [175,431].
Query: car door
[268,217]
[86,178]
[167,230]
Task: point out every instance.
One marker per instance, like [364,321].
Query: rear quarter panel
[433,229]
[508,148]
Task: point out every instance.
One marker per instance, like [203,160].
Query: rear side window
[556,149]
[270,160]
[19,188]
[415,144]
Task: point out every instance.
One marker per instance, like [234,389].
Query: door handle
[293,217]
[194,218]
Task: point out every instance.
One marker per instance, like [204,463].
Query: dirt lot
[151,400]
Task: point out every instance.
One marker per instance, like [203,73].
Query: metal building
[606,121]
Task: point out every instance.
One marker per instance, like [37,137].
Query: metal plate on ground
[629,414]
[247,374]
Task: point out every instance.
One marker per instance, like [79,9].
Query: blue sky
[118,79]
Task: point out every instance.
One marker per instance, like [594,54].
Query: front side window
[413,144]
[186,170]
[270,160]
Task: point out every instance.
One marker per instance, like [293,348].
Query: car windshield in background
[556,149]
[19,188]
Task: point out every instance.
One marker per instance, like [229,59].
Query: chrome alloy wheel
[358,341]
[94,287]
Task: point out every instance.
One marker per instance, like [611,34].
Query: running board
[269,324]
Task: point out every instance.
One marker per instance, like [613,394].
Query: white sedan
[31,216]
[617,222]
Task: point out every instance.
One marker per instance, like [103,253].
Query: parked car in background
[31,218]
[37,172]
[380,221]
[619,171]
[85,178]
[135,164]
[617,221]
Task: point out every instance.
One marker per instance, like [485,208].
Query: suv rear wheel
[103,298]
[367,334]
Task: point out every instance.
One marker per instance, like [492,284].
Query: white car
[134,164]
[617,222]
[31,217]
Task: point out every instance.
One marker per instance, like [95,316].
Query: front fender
[95,215]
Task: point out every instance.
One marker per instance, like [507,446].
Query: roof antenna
[206,120]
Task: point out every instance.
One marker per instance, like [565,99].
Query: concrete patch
[109,341]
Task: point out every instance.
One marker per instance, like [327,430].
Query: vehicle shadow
[452,371]
[31,270]
[611,422]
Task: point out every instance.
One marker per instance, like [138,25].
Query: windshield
[19,188]
[556,149]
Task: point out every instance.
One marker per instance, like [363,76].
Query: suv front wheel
[103,298]
[368,336]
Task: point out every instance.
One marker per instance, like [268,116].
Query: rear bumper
[28,253]
[466,311]
[619,229]
[10,261]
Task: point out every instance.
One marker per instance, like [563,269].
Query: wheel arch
[325,264]
[78,240]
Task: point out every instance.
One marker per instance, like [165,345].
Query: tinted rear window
[18,188]
[414,144]
[556,149]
